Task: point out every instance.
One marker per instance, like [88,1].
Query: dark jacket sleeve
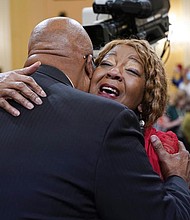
[126,187]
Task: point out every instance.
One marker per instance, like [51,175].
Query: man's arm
[175,169]
[126,185]
[177,164]
[19,86]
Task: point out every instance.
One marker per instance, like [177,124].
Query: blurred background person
[173,117]
[185,84]
[186,125]
[177,75]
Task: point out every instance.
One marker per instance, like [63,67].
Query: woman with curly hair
[130,72]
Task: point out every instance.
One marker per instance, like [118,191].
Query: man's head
[63,43]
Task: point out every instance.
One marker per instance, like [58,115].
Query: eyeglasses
[93,63]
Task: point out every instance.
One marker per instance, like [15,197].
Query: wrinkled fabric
[169,141]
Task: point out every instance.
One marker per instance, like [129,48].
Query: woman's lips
[108,91]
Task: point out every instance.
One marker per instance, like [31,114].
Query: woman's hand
[17,85]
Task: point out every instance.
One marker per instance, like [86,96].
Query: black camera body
[142,19]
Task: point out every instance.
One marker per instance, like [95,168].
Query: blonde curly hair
[155,92]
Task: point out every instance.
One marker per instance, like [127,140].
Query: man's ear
[90,66]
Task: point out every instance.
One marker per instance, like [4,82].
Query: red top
[169,141]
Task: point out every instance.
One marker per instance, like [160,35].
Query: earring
[141,123]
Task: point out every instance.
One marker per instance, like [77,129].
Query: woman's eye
[105,64]
[133,71]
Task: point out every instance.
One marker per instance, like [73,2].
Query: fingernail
[38,101]
[153,138]
[30,105]
[39,63]
[16,113]
[43,94]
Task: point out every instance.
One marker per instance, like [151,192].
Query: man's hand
[18,86]
[172,164]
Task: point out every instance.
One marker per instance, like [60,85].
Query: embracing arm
[17,85]
[173,164]
[127,187]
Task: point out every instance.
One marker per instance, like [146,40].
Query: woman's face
[120,76]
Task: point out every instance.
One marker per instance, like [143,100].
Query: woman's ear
[90,67]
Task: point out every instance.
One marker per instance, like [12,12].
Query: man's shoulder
[99,101]
[53,73]
[102,107]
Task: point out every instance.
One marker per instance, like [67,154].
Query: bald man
[80,156]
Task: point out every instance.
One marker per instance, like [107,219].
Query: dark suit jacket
[79,156]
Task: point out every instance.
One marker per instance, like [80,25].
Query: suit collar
[55,74]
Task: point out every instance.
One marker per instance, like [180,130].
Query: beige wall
[5,45]
[177,51]
[25,14]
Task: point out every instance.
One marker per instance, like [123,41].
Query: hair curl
[155,91]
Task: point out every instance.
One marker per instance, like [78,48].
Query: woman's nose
[115,74]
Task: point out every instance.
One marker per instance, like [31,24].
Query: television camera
[142,19]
